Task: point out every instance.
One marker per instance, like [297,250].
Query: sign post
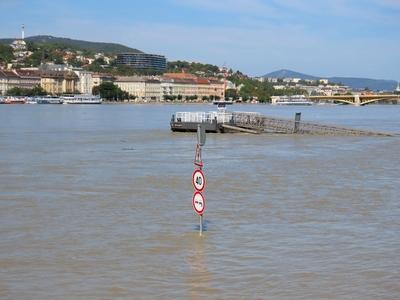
[198,178]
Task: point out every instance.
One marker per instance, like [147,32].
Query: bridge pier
[357,101]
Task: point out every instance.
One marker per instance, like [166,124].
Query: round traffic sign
[199,180]
[199,203]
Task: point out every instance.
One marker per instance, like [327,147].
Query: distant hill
[289,74]
[361,83]
[109,48]
[353,82]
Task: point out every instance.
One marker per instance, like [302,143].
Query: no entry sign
[199,203]
[199,180]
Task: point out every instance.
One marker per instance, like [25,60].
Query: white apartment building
[85,82]
[153,90]
[150,89]
[134,85]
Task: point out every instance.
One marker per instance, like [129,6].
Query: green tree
[110,91]
[231,94]
[95,67]
[36,91]
[6,53]
[73,61]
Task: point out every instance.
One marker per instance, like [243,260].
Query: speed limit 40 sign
[199,180]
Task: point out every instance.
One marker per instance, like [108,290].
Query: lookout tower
[19,46]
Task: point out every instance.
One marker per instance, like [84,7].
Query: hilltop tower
[19,46]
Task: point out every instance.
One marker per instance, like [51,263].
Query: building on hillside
[46,67]
[19,47]
[324,81]
[291,80]
[272,79]
[142,61]
[59,82]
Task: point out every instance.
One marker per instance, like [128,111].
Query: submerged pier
[250,122]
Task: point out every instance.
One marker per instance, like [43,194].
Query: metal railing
[260,123]
[203,117]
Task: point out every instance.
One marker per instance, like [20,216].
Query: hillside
[289,74]
[109,48]
[361,83]
[353,82]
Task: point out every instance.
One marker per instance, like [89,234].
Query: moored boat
[49,100]
[81,99]
[290,100]
[13,100]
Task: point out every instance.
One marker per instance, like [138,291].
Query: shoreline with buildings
[115,77]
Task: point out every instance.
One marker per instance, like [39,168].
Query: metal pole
[296,122]
[201,224]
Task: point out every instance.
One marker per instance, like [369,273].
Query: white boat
[31,100]
[49,100]
[290,100]
[81,99]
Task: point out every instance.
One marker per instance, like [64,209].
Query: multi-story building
[8,80]
[133,85]
[188,85]
[85,81]
[217,88]
[153,90]
[28,79]
[144,89]
[59,82]
[24,79]
[142,61]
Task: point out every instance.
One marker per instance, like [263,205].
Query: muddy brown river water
[95,203]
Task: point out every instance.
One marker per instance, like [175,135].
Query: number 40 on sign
[199,180]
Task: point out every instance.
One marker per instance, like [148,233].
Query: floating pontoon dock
[222,121]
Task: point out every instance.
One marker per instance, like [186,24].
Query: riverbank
[199,102]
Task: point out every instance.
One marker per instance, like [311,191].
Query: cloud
[320,37]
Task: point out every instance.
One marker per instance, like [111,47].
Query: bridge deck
[262,123]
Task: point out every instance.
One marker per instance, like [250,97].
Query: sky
[354,38]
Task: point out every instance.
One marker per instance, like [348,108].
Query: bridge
[358,100]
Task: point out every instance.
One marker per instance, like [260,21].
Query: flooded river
[95,203]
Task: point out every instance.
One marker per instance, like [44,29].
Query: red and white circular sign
[199,203]
[199,180]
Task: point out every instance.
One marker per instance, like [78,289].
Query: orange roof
[202,80]
[180,75]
